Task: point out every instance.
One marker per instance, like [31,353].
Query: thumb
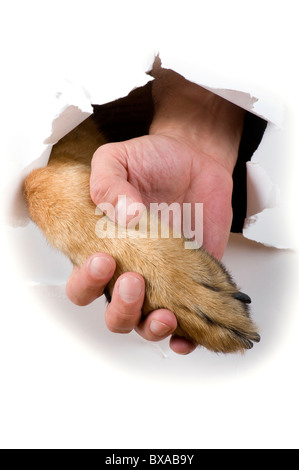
[109,186]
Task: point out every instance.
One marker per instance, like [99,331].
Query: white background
[65,380]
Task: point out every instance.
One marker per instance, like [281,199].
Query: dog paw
[209,307]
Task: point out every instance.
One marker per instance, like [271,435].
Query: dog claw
[242,297]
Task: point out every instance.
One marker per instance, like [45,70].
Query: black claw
[256,338]
[247,341]
[243,297]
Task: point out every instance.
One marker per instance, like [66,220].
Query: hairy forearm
[197,116]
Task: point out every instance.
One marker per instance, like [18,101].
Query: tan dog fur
[196,287]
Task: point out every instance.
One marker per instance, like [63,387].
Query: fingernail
[129,289]
[100,267]
[159,329]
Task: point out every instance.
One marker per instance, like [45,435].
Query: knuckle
[75,298]
[120,322]
[82,291]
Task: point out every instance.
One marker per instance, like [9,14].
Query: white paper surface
[66,382]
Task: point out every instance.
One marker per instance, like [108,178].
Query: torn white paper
[66,106]
[264,194]
[270,207]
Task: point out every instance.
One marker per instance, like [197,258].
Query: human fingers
[87,283]
[124,311]
[161,323]
[181,345]
[157,325]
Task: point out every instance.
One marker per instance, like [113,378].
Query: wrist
[197,117]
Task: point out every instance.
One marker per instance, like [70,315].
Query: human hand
[175,163]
